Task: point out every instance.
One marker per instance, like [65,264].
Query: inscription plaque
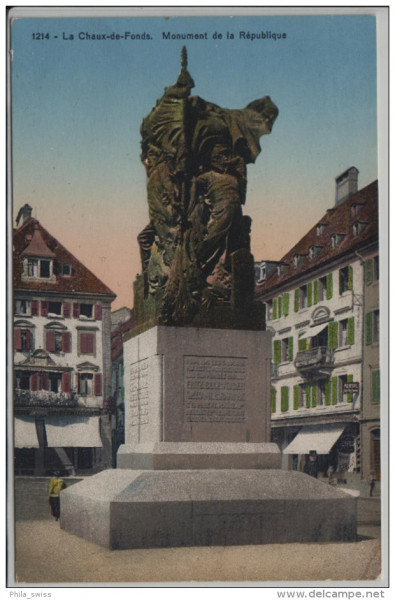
[214,389]
[139,393]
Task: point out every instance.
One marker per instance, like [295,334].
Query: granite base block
[199,455]
[122,508]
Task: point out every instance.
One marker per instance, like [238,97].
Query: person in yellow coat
[55,486]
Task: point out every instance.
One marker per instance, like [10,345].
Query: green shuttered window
[273,397]
[286,303]
[284,399]
[290,349]
[333,328]
[277,351]
[316,295]
[296,301]
[314,395]
[296,397]
[369,328]
[329,286]
[334,390]
[327,398]
[310,293]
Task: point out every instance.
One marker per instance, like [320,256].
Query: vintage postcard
[198,260]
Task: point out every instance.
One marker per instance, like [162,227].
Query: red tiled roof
[117,336]
[81,280]
[338,220]
[37,246]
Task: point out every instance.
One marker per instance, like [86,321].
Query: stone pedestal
[198,467]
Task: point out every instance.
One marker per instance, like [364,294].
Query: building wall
[347,357]
[40,325]
[370,413]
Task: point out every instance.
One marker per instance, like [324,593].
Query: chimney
[25,213]
[346,185]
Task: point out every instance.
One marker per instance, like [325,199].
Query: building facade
[322,306]
[62,357]
[122,322]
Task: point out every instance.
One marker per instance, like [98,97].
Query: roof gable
[34,240]
[338,221]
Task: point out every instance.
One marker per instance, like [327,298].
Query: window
[23,339]
[86,310]
[44,268]
[322,289]
[65,269]
[55,308]
[314,252]
[57,341]
[32,267]
[345,279]
[342,380]
[336,239]
[321,387]
[356,209]
[343,332]
[320,229]
[302,395]
[40,268]
[89,384]
[358,227]
[376,326]
[303,296]
[55,382]
[285,350]
[87,342]
[376,268]
[297,261]
[86,384]
[23,381]
[269,310]
[22,307]
[320,340]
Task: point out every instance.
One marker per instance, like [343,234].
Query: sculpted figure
[195,154]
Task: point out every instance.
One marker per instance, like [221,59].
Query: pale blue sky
[77,106]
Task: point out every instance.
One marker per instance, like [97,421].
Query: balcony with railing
[316,361]
[44,398]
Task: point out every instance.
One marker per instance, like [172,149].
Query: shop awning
[25,433]
[313,331]
[320,438]
[73,431]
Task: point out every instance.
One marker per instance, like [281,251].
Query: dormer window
[356,209]
[65,269]
[336,239]
[314,252]
[358,227]
[38,268]
[281,269]
[297,261]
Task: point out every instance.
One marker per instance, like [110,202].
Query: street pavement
[46,554]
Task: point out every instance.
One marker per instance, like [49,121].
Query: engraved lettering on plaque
[139,393]
[214,389]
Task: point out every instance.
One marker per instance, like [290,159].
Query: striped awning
[73,431]
[25,433]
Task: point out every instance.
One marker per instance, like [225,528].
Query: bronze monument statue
[197,268]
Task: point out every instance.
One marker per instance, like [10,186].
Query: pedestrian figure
[55,486]
[330,474]
[371,482]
